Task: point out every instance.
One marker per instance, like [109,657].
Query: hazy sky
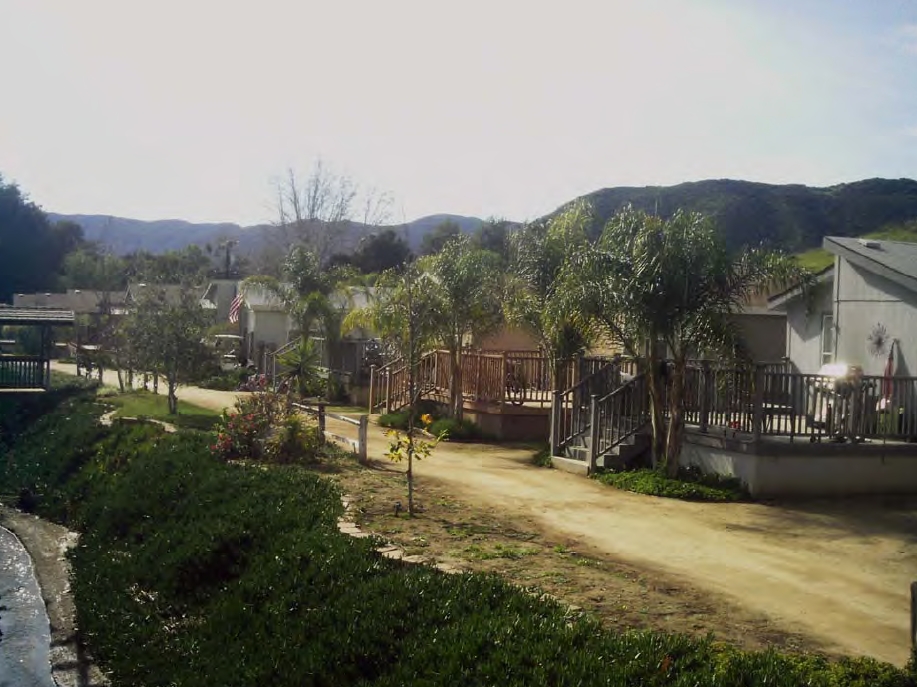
[193,108]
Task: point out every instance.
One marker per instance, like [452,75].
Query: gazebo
[31,372]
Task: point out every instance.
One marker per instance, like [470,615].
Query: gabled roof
[32,316]
[894,260]
[81,301]
[779,300]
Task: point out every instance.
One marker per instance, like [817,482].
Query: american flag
[235,308]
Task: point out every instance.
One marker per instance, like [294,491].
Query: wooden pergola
[31,372]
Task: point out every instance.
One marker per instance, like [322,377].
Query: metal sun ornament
[878,340]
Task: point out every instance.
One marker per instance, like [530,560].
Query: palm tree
[538,254]
[465,281]
[310,294]
[668,286]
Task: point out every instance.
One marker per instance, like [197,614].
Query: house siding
[764,337]
[804,327]
[864,300]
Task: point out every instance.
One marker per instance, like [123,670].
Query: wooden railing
[23,372]
[571,408]
[515,377]
[617,416]
[761,403]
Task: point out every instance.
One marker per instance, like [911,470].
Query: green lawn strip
[156,406]
[195,572]
[690,486]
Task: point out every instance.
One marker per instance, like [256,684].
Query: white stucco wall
[849,471]
[864,300]
[803,330]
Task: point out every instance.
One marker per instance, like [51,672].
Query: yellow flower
[427,419]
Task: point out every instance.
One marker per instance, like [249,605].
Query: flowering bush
[264,427]
[241,434]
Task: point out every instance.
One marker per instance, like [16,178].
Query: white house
[857,308]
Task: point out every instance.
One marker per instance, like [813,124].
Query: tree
[32,250]
[668,286]
[538,253]
[466,282]
[495,235]
[434,240]
[405,311]
[310,294]
[320,213]
[166,336]
[379,252]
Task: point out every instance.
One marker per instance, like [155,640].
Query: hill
[123,235]
[792,217]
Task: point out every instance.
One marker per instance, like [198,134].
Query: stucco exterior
[806,470]
[804,326]
[865,301]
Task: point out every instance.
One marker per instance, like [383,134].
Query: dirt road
[837,571]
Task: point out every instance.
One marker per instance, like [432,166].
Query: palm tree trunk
[458,401]
[656,384]
[675,432]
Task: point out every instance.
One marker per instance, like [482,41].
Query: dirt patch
[492,540]
[47,544]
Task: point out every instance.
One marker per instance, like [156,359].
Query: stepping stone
[414,559]
[395,555]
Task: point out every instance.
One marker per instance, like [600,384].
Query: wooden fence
[514,377]
[761,402]
[24,372]
[358,445]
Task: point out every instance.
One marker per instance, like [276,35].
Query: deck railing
[493,377]
[618,416]
[571,409]
[23,372]
[758,402]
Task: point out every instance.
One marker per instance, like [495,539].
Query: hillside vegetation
[817,259]
[791,217]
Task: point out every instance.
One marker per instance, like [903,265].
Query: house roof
[894,260]
[80,301]
[780,299]
[172,293]
[32,316]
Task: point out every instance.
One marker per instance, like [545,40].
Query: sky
[196,109]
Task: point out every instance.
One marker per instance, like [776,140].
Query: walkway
[838,571]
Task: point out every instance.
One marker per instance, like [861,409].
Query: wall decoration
[878,341]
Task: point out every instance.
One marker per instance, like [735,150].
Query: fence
[762,402]
[515,377]
[23,372]
[358,445]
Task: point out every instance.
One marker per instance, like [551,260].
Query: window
[827,338]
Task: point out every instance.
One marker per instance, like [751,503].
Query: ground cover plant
[194,571]
[463,430]
[690,485]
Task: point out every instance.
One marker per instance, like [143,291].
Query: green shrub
[466,430]
[294,440]
[396,420]
[224,381]
[542,457]
[191,571]
[689,486]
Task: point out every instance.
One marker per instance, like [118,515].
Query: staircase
[599,422]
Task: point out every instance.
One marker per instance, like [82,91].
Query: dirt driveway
[838,572]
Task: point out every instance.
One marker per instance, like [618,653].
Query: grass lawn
[146,404]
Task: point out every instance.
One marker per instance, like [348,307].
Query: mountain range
[792,217]
[123,235]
